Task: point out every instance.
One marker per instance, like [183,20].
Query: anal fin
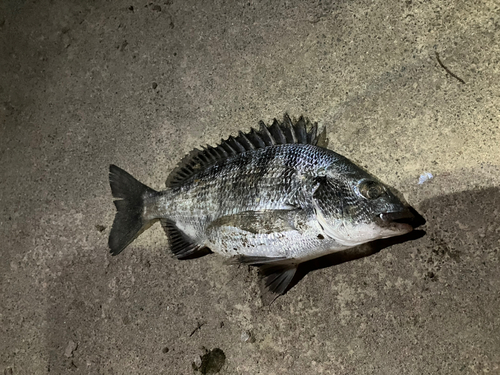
[277,273]
[182,246]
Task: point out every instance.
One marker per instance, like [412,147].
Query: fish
[273,198]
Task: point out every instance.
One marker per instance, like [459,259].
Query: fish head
[353,207]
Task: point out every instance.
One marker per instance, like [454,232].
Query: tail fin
[129,221]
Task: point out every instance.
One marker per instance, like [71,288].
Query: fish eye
[370,189]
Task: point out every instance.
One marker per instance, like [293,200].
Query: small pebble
[246,336]
[197,361]
[425,177]
[100,228]
[70,348]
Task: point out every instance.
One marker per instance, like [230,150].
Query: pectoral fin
[259,222]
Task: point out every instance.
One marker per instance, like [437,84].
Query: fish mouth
[400,221]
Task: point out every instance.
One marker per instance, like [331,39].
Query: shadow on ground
[476,210]
[84,327]
[356,253]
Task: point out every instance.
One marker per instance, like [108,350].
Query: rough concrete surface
[87,83]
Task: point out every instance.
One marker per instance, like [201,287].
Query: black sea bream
[270,198]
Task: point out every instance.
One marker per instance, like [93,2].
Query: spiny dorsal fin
[278,133]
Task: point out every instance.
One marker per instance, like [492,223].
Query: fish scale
[271,198]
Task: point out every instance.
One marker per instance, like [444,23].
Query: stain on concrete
[211,362]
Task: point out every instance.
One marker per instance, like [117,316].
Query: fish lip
[400,221]
[405,217]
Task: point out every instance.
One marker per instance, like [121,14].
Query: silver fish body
[270,198]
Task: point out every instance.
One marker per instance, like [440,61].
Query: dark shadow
[471,204]
[348,255]
[337,258]
[363,250]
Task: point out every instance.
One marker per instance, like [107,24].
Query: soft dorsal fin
[286,132]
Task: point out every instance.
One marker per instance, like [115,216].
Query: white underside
[353,235]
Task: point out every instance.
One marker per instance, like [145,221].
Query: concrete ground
[85,84]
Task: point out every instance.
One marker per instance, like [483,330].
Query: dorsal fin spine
[236,145]
[228,148]
[277,133]
[213,152]
[312,136]
[202,158]
[265,135]
[245,142]
[292,132]
[256,139]
[300,131]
